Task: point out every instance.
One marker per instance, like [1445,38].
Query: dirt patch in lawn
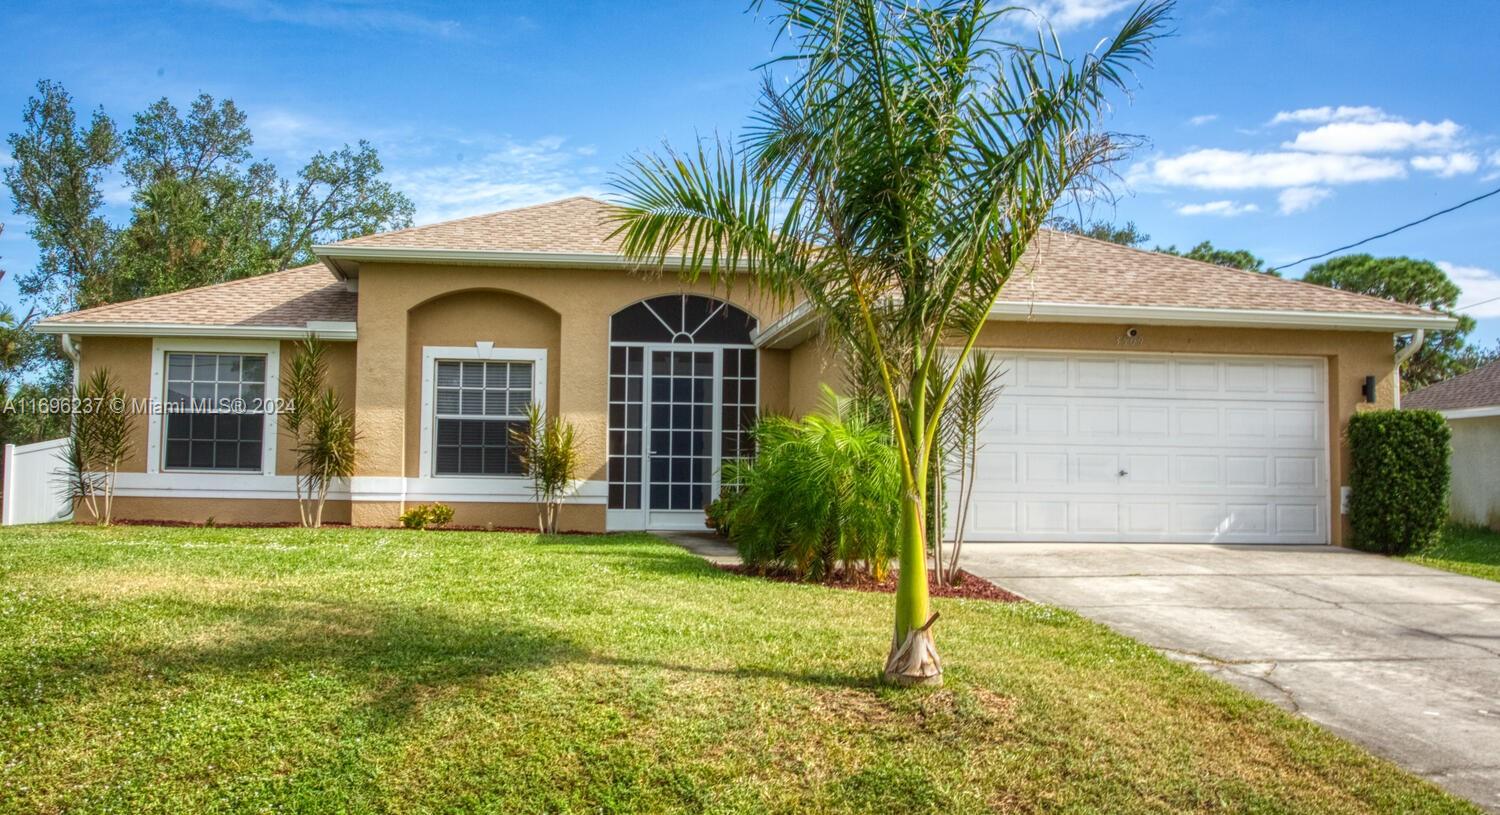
[968,587]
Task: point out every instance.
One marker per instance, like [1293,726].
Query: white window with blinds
[474,399]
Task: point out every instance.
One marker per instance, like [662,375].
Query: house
[1471,404]
[1148,397]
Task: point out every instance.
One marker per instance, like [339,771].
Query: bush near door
[1399,483]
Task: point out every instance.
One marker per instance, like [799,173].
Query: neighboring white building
[1471,404]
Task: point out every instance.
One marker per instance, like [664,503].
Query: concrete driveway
[1402,659]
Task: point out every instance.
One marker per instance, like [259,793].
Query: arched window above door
[682,318]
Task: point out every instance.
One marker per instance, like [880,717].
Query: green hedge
[1399,484]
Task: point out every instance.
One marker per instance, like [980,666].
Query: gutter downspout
[1417,338]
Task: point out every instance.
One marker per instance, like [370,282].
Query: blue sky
[1283,128]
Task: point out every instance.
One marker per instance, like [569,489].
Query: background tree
[1127,235]
[892,184]
[54,179]
[1444,354]
[1233,258]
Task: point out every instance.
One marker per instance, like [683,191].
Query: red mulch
[970,586]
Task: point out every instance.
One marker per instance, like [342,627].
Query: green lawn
[218,670]
[1470,550]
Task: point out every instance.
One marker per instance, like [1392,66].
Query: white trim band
[324,329]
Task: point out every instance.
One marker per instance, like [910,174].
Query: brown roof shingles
[1058,268]
[288,298]
[1475,389]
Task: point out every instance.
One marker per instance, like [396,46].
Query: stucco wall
[1476,471]
[403,307]
[128,360]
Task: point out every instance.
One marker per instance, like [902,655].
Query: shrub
[550,457]
[1399,483]
[716,514]
[427,516]
[322,431]
[821,491]
[99,443]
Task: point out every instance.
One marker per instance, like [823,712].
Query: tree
[54,179]
[322,432]
[337,195]
[1233,258]
[203,210]
[549,455]
[1444,354]
[1127,235]
[892,185]
[99,443]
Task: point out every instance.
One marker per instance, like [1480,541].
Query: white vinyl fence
[35,487]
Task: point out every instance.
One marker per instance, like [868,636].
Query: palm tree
[891,186]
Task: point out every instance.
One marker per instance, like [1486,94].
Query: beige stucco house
[1471,404]
[1147,397]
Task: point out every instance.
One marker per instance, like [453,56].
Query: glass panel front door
[681,434]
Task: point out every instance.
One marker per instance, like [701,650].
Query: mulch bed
[970,586]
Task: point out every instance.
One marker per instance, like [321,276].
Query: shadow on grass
[394,656]
[825,679]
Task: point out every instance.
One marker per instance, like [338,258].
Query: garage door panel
[1100,447]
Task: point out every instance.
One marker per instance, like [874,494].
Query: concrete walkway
[1402,659]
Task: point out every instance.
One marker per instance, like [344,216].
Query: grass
[1470,550]
[254,670]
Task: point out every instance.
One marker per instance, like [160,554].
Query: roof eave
[344,260]
[323,329]
[797,325]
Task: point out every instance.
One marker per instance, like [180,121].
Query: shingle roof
[1062,268]
[290,298]
[577,225]
[1477,388]
[1058,268]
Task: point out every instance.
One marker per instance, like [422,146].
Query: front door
[681,435]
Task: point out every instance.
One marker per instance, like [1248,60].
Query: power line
[1387,233]
[1480,303]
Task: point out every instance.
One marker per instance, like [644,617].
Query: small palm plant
[549,456]
[823,491]
[99,443]
[327,453]
[322,431]
[978,388]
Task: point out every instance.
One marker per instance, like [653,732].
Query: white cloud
[1447,166]
[1223,209]
[347,16]
[1376,137]
[509,174]
[1203,119]
[1066,14]
[1297,199]
[1235,169]
[1327,113]
[1478,284]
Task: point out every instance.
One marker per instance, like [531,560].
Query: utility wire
[1480,303]
[1388,232]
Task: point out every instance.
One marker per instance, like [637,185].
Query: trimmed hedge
[1399,484]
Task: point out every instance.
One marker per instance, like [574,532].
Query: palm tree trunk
[913,658]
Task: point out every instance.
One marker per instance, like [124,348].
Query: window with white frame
[477,405]
[215,411]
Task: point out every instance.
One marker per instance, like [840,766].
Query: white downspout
[1404,354]
[70,350]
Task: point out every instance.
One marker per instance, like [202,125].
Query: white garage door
[1170,448]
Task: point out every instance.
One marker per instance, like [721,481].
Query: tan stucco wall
[462,318]
[129,362]
[339,357]
[221,510]
[1475,495]
[583,301]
